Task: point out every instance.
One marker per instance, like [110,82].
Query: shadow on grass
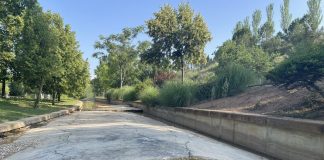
[15,109]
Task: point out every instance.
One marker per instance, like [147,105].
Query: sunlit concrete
[119,136]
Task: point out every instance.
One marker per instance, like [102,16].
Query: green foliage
[304,67]
[114,94]
[7,88]
[139,87]
[267,29]
[315,14]
[286,17]
[121,56]
[256,20]
[177,94]
[149,96]
[233,79]
[128,93]
[250,57]
[17,89]
[205,91]
[179,36]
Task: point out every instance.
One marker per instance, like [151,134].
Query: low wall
[282,138]
[13,125]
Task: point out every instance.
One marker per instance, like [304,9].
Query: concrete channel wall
[282,138]
[14,125]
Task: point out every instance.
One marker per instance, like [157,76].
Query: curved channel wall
[282,138]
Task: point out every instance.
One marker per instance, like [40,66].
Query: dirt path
[117,135]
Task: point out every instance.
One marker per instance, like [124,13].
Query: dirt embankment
[299,102]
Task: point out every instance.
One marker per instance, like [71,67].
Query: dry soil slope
[297,102]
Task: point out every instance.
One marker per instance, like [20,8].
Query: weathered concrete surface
[118,135]
[116,108]
[282,138]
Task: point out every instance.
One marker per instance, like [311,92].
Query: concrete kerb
[25,122]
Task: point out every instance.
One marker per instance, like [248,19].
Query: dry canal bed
[115,135]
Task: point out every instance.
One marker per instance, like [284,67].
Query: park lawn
[15,109]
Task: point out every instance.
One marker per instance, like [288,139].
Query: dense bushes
[149,96]
[16,89]
[139,87]
[177,94]
[232,79]
[306,68]
[127,93]
[205,91]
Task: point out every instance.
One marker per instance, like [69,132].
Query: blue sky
[91,18]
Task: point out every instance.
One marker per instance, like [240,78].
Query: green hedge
[149,96]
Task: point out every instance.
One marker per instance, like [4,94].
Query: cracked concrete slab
[118,135]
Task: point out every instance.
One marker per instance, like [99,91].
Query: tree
[315,14]
[267,30]
[250,57]
[256,20]
[38,56]
[102,81]
[242,33]
[11,23]
[178,36]
[286,17]
[121,53]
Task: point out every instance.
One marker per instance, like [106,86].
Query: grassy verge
[14,109]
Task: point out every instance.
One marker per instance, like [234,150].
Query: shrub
[109,95]
[116,94]
[16,89]
[139,87]
[177,94]
[232,79]
[204,91]
[306,68]
[161,77]
[149,96]
[113,94]
[128,93]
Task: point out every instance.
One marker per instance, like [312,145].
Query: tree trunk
[3,93]
[59,97]
[121,78]
[53,97]
[38,94]
[182,69]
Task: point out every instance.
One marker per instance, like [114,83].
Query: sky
[91,18]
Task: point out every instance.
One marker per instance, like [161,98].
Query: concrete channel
[114,132]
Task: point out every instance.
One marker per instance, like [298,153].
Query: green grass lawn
[14,109]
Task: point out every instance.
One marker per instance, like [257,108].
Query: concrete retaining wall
[282,138]
[13,125]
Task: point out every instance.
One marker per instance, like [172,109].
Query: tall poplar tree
[256,20]
[286,17]
[314,14]
[267,30]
